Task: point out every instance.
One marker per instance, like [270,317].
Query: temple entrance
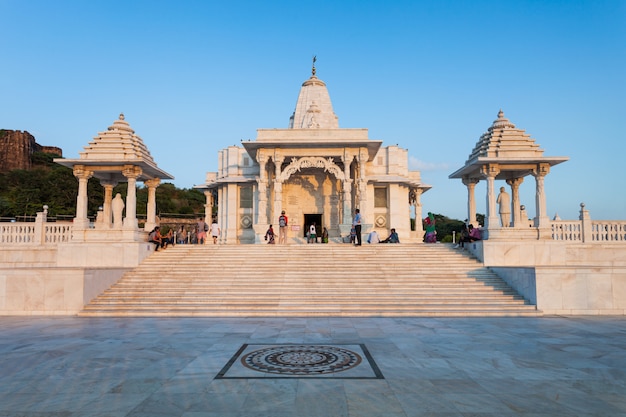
[308,220]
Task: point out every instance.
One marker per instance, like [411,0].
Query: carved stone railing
[589,231]
[35,233]
[57,233]
[567,230]
[608,231]
[17,233]
[39,232]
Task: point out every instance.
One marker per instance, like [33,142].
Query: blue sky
[193,77]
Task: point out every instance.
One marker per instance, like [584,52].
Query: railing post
[585,230]
[40,226]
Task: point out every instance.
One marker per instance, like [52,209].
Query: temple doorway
[308,220]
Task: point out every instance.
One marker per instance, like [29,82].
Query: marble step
[256,280]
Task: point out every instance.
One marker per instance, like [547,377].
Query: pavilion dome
[504,140]
[118,143]
[314,109]
[114,149]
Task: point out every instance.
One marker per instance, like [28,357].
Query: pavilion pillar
[108,197]
[470,183]
[490,171]
[516,207]
[81,221]
[152,185]
[542,221]
[131,172]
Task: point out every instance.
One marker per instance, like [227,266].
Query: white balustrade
[608,231]
[567,230]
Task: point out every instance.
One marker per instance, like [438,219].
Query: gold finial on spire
[313,69]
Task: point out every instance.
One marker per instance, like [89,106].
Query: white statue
[505,207]
[117,204]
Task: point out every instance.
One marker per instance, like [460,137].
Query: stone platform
[452,367]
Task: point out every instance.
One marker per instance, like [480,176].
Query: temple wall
[561,277]
[52,291]
[61,279]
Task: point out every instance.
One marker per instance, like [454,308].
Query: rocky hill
[17,147]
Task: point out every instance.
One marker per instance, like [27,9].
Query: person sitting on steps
[393,237]
[155,237]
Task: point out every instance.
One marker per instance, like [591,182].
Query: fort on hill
[17,147]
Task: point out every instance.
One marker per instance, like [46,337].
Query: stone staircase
[315,280]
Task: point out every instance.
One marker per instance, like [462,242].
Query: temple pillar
[230,213]
[131,172]
[262,190]
[346,218]
[470,183]
[416,200]
[490,171]
[516,211]
[222,212]
[81,221]
[278,186]
[208,207]
[362,184]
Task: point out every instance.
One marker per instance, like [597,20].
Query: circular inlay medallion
[301,360]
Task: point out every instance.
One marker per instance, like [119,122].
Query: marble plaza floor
[392,367]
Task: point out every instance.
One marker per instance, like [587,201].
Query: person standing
[312,233]
[215,230]
[283,223]
[201,232]
[269,235]
[357,226]
[431,229]
[181,237]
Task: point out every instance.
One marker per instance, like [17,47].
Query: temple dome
[314,109]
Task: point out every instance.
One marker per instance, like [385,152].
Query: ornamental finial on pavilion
[502,122]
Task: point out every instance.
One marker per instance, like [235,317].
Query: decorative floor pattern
[301,361]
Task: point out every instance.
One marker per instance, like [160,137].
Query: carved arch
[297,164]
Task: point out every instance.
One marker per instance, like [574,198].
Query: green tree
[445,226]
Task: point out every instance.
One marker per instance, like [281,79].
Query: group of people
[283,223]
[392,238]
[312,234]
[469,234]
[355,232]
[199,235]
[160,240]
